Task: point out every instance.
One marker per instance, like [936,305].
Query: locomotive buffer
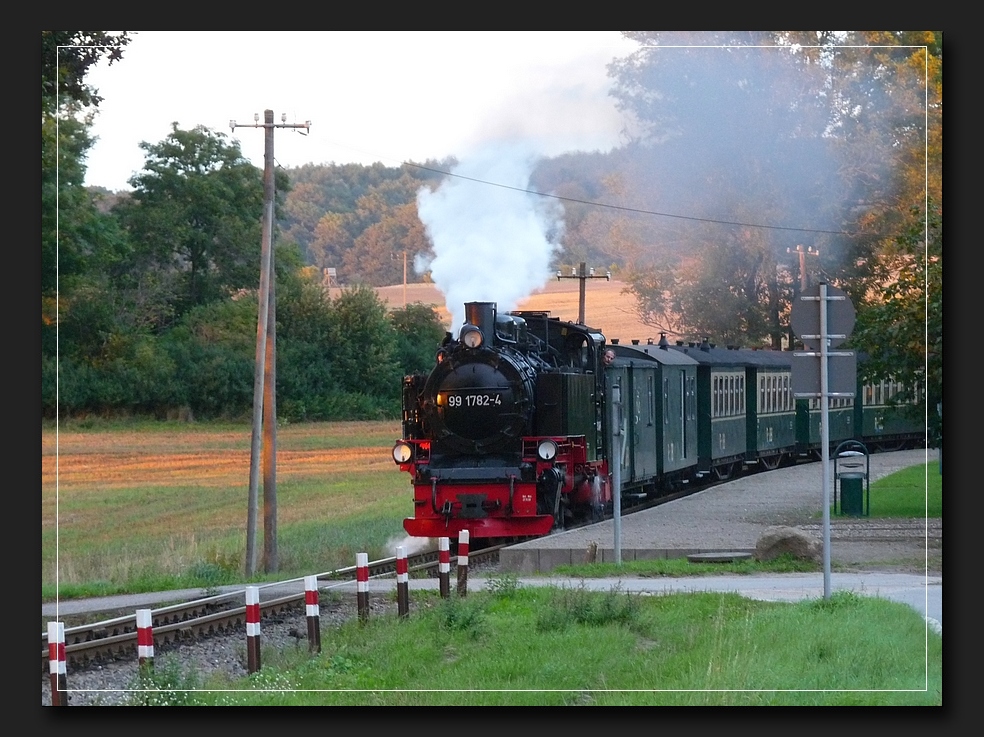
[822,318]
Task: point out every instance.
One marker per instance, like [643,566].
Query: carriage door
[684,407]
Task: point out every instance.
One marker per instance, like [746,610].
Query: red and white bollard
[252,629]
[313,611]
[444,566]
[362,584]
[56,663]
[402,583]
[463,563]
[145,639]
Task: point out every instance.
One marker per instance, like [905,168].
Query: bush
[214,352]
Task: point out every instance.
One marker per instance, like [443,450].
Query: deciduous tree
[196,212]
[73,232]
[901,328]
[806,144]
[67,56]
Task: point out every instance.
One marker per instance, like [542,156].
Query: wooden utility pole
[265,377]
[583,276]
[802,257]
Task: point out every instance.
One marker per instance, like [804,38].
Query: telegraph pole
[580,274]
[802,257]
[803,252]
[265,378]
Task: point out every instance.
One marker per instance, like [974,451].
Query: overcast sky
[370,96]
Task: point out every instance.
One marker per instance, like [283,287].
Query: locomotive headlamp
[471,336]
[547,450]
[402,452]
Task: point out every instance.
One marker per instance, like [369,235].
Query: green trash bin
[852,494]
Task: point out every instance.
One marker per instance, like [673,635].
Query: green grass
[677,567]
[543,646]
[916,491]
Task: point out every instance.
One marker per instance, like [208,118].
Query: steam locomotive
[509,434]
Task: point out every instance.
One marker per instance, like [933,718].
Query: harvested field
[608,306]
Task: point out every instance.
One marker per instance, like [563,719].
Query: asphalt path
[923,593]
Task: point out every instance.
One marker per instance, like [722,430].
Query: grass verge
[546,646]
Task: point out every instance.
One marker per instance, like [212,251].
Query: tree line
[743,150]
[149,302]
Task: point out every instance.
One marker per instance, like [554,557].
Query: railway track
[113,639]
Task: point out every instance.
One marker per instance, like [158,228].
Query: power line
[629,209]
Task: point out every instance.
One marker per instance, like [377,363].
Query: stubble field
[607,305]
[163,498]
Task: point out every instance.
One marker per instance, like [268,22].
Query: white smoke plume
[491,242]
[410,545]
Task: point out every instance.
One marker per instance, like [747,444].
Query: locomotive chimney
[482,316]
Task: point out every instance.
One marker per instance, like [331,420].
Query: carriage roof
[651,353]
